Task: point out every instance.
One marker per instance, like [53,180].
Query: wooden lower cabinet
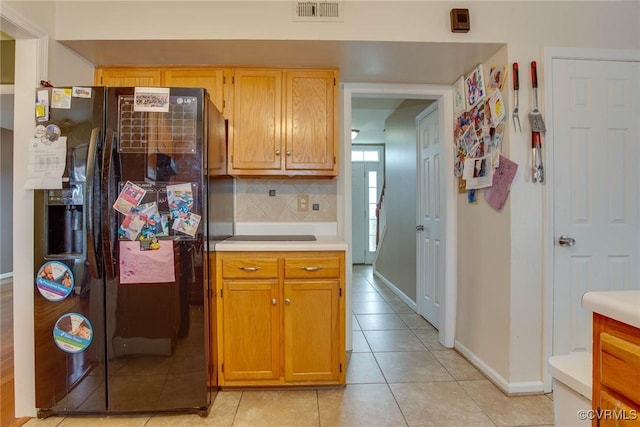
[616,373]
[279,330]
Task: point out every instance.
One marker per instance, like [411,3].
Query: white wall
[396,259]
[525,27]
[65,66]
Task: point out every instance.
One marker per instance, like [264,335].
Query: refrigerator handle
[88,197]
[107,165]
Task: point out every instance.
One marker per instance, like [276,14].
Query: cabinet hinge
[221,292]
[233,80]
[224,80]
[334,160]
[334,81]
[340,291]
[341,368]
[222,367]
[224,104]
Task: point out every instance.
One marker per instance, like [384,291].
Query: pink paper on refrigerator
[137,266]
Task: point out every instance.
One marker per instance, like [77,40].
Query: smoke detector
[317,11]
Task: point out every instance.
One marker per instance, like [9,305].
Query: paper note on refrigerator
[137,266]
[46,163]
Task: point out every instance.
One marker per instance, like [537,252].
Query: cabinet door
[251,330]
[128,77]
[312,330]
[311,143]
[255,133]
[209,78]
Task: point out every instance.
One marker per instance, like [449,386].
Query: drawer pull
[316,268]
[250,268]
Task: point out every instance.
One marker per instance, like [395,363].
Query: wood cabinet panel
[281,122]
[255,135]
[251,330]
[312,330]
[308,313]
[212,79]
[237,267]
[616,372]
[312,267]
[311,139]
[126,77]
[620,366]
[615,413]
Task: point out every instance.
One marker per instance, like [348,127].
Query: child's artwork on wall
[497,75]
[459,102]
[474,86]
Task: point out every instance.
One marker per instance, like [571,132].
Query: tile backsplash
[254,204]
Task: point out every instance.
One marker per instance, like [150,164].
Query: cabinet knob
[288,153]
[274,301]
[287,301]
[277,152]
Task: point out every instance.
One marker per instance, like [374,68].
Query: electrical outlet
[303,203]
[272,192]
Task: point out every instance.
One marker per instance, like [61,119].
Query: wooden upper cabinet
[311,141]
[211,79]
[255,130]
[126,77]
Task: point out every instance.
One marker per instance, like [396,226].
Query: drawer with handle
[312,267]
[244,268]
[620,366]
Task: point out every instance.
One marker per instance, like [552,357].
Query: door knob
[566,241]
[420,227]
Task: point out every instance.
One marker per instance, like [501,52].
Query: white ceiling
[358,62]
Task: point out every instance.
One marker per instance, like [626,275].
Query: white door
[366,186]
[595,189]
[430,229]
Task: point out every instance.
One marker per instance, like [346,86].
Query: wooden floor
[7,407]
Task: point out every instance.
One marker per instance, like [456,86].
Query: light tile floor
[398,375]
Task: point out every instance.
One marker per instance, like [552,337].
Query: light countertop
[322,243]
[623,306]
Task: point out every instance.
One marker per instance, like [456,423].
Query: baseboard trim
[396,291]
[510,389]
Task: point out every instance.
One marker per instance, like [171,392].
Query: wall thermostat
[460,22]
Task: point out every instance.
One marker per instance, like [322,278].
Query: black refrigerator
[121,297]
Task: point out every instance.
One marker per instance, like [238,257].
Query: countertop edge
[623,306]
[322,243]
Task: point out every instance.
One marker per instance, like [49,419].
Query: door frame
[32,59]
[443,95]
[420,278]
[550,54]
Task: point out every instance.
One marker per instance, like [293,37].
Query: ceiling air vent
[317,11]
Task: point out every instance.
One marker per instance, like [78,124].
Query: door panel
[595,187]
[430,252]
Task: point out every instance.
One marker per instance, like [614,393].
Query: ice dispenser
[64,223]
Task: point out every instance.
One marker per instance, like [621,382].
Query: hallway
[398,375]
